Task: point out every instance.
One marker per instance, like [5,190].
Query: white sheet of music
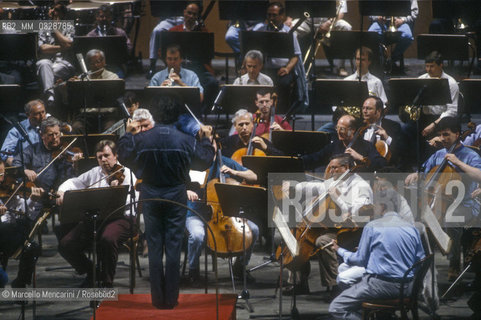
[432,223]
[285,232]
[198,176]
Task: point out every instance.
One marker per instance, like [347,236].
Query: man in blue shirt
[467,162]
[389,246]
[162,157]
[35,111]
[174,74]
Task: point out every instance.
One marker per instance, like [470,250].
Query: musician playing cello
[264,103]
[244,125]
[14,229]
[75,238]
[463,160]
[381,128]
[349,196]
[360,150]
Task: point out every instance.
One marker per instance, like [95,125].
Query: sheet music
[432,223]
[197,176]
[285,232]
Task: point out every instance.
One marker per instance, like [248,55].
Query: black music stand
[298,143]
[271,44]
[325,8]
[466,9]
[10,98]
[244,202]
[99,93]
[243,10]
[262,166]
[345,43]
[193,45]
[451,47]
[114,47]
[386,8]
[237,97]
[97,204]
[405,90]
[187,95]
[165,8]
[21,46]
[471,89]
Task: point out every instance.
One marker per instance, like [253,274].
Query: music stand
[98,93]
[471,89]
[271,44]
[114,47]
[193,45]
[386,8]
[243,10]
[244,202]
[262,166]
[456,8]
[451,46]
[340,92]
[237,97]
[10,98]
[21,46]
[97,204]
[187,95]
[165,8]
[326,8]
[345,43]
[404,91]
[298,143]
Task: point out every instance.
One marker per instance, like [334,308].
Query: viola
[228,231]
[250,150]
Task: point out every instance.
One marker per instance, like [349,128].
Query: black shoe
[297,290]
[166,306]
[18,284]
[193,279]
[238,272]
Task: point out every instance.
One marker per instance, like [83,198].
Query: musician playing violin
[349,196]
[14,229]
[36,159]
[244,124]
[347,142]
[463,160]
[264,102]
[76,238]
[381,128]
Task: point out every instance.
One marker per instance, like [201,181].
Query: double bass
[228,231]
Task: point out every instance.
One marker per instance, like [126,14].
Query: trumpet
[392,26]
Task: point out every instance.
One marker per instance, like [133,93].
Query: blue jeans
[164,230]
[404,43]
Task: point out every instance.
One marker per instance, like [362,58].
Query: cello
[228,231]
[250,150]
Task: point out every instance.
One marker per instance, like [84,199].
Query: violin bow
[108,176]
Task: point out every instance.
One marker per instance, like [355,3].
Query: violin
[228,231]
[67,152]
[117,173]
[250,150]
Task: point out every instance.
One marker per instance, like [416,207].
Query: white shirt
[370,131]
[374,85]
[18,204]
[86,179]
[450,109]
[262,79]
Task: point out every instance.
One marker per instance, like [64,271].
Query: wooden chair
[403,304]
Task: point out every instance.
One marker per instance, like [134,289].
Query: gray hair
[49,122]
[241,113]
[94,52]
[29,105]
[254,54]
[389,199]
[142,114]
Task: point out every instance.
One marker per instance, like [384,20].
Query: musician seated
[196,228]
[253,63]
[362,151]
[286,72]
[232,36]
[104,27]
[381,128]
[471,140]
[244,125]
[349,195]
[201,67]
[463,160]
[388,247]
[55,59]
[35,111]
[75,238]
[264,102]
[132,103]
[403,24]
[374,84]
[15,226]
[174,74]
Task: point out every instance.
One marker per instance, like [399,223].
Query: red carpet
[191,306]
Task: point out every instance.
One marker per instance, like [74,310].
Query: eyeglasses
[342,129]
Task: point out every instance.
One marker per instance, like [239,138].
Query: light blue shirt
[11,141]
[188,77]
[469,141]
[389,246]
[466,155]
